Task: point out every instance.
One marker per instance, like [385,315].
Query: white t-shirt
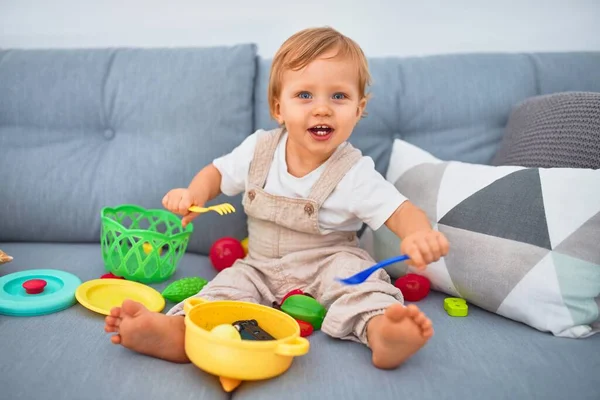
[363,194]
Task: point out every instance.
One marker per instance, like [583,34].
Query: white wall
[382,27]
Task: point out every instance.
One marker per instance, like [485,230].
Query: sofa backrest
[84,129]
[454,106]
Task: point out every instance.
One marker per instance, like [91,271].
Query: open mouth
[321,132]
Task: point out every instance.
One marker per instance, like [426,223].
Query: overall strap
[341,161]
[263,157]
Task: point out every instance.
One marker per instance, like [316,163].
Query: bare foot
[397,334]
[146,332]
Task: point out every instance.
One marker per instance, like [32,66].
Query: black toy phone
[249,330]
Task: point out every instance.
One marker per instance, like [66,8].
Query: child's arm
[225,175]
[206,185]
[376,201]
[419,241]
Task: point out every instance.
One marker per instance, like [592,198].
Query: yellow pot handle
[296,347]
[191,302]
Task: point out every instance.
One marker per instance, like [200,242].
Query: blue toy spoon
[364,274]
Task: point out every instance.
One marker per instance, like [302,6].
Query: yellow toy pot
[235,360]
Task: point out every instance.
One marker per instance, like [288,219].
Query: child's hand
[424,247]
[179,201]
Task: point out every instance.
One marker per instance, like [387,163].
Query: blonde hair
[309,44]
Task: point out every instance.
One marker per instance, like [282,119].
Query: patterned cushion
[524,242]
[555,130]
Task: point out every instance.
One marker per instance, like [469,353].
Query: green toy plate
[37,292]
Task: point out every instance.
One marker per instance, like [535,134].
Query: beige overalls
[287,251]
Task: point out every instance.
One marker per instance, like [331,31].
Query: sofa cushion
[67,355]
[553,130]
[85,129]
[481,356]
[454,106]
[523,241]
[566,71]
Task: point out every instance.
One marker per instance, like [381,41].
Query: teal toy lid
[37,292]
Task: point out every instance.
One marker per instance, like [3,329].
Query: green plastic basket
[142,245]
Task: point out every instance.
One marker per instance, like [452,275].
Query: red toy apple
[224,252]
[413,287]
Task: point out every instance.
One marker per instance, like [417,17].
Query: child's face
[320,104]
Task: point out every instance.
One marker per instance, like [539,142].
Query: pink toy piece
[34,286]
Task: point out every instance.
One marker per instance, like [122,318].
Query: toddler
[306,192]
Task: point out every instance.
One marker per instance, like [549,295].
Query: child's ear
[361,107]
[277,113]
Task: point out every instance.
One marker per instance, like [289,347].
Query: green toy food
[304,308]
[456,307]
[183,288]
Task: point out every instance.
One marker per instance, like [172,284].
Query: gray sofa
[84,129]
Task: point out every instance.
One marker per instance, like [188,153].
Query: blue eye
[339,96]
[304,95]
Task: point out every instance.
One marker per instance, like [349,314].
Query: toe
[412,310]
[396,312]
[116,339]
[112,321]
[427,333]
[133,308]
[115,312]
[426,325]
[110,328]
[420,318]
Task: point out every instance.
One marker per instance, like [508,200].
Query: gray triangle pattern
[512,208]
[485,269]
[584,243]
[421,184]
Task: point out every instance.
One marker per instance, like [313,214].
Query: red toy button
[413,287]
[305,328]
[111,276]
[34,286]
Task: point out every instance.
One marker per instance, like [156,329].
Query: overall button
[109,134]
[251,195]
[309,209]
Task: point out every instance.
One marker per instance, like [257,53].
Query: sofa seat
[67,355]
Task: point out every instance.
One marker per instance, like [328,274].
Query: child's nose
[322,109]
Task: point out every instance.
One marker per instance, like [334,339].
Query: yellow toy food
[245,245]
[226,331]
[148,248]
